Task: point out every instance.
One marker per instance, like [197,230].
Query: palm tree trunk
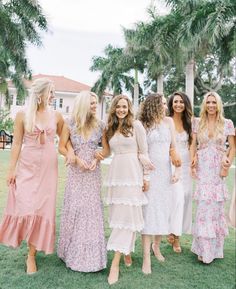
[189,80]
[160,84]
[136,90]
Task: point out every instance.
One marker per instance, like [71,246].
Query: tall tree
[21,23]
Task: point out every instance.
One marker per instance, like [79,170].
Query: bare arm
[105,152]
[16,146]
[60,122]
[64,137]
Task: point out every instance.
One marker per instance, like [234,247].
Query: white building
[65,92]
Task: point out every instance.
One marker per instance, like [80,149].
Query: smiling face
[93,105]
[122,109]
[211,105]
[178,104]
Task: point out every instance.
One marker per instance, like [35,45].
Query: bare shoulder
[20,116]
[59,116]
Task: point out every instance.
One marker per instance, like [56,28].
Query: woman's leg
[156,248]
[114,270]
[31,262]
[146,268]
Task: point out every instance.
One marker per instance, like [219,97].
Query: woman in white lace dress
[180,110]
[160,137]
[126,181]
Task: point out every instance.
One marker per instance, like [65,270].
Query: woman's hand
[225,163]
[82,164]
[98,155]
[147,164]
[145,186]
[93,165]
[175,158]
[194,162]
[11,178]
[70,158]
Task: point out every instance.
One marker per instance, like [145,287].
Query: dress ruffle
[33,229]
[206,192]
[126,195]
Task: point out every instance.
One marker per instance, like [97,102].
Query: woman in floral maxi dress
[82,243]
[210,133]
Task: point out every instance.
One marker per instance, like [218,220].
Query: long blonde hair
[81,114]
[220,120]
[39,88]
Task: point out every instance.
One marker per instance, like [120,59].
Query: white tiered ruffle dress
[124,195]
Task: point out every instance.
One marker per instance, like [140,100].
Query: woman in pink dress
[208,154]
[32,178]
[82,244]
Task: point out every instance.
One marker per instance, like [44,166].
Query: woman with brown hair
[126,181]
[180,110]
[157,213]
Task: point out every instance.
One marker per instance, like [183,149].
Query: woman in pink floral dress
[82,243]
[208,153]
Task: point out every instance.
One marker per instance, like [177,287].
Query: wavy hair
[220,120]
[39,88]
[126,127]
[81,114]
[152,110]
[186,115]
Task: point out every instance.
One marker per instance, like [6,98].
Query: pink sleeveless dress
[30,210]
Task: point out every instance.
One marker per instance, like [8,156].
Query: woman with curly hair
[157,213]
[208,152]
[126,181]
[180,110]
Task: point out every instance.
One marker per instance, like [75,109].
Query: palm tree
[21,22]
[114,68]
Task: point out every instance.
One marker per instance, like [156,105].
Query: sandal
[128,260]
[176,245]
[170,238]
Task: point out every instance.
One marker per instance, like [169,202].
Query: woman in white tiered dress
[125,181]
[180,110]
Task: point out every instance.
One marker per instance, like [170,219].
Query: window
[61,102]
[54,104]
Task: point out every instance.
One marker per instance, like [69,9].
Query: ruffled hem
[206,192]
[33,229]
[128,202]
[124,251]
[131,227]
[120,183]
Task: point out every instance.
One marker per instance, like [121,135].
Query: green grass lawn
[181,271]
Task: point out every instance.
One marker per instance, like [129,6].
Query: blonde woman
[32,178]
[208,154]
[82,242]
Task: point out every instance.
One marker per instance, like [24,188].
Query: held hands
[147,164]
[98,155]
[145,186]
[176,176]
[70,158]
[85,166]
[175,158]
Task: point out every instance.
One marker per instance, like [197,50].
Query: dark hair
[152,110]
[113,121]
[186,115]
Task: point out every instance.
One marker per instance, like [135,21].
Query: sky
[81,29]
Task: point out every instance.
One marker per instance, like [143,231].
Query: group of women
[148,184]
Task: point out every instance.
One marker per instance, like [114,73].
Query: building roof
[61,83]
